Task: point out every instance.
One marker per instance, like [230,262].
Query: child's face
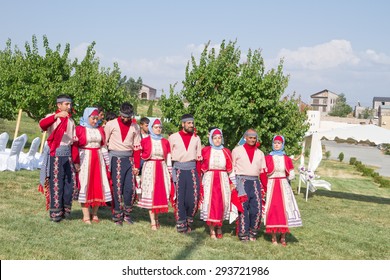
[144,128]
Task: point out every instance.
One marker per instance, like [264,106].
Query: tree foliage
[31,81]
[341,108]
[222,91]
[368,113]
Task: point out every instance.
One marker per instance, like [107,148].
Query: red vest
[146,146]
[206,152]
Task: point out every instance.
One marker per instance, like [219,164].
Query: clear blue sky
[342,46]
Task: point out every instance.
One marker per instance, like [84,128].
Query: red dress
[216,165]
[94,185]
[155,181]
[281,209]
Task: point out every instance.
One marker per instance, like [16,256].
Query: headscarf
[216,131]
[281,151]
[152,122]
[87,113]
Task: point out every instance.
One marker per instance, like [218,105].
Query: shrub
[307,153]
[150,109]
[327,154]
[368,171]
[383,183]
[352,160]
[341,156]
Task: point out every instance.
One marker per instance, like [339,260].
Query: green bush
[327,154]
[368,172]
[352,160]
[150,109]
[359,165]
[307,153]
[341,156]
[383,183]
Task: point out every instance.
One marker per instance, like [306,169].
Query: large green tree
[30,81]
[341,108]
[221,90]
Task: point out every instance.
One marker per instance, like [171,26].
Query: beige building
[384,116]
[323,101]
[147,93]
[379,101]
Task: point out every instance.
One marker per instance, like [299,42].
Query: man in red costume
[248,164]
[60,170]
[186,153]
[123,142]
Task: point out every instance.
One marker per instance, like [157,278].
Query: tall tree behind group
[223,91]
[31,81]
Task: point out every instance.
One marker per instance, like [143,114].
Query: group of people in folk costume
[98,165]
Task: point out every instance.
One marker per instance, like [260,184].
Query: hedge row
[369,172]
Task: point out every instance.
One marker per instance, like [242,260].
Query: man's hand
[62,114]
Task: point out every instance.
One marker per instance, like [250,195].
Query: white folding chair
[3,141]
[28,161]
[11,161]
[307,176]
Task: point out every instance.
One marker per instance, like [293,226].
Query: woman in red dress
[90,165]
[155,180]
[216,167]
[281,209]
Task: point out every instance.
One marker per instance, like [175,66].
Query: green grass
[349,222]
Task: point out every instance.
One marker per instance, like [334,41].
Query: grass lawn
[351,222]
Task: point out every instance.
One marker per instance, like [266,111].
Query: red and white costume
[155,181]
[94,184]
[216,165]
[281,209]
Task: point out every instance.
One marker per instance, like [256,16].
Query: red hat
[278,138]
[217,132]
[157,121]
[94,113]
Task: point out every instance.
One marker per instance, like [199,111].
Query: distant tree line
[219,90]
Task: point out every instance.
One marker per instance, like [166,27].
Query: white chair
[3,141]
[10,161]
[307,176]
[39,157]
[28,160]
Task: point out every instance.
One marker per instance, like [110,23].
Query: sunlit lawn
[349,222]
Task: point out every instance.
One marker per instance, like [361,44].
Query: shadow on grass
[197,236]
[352,196]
